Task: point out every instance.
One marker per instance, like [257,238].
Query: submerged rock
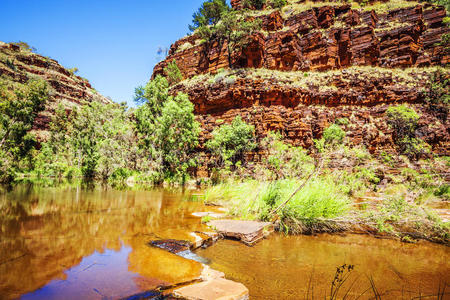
[248,232]
[218,288]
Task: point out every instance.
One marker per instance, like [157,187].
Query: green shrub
[285,160]
[230,142]
[404,121]
[333,135]
[278,3]
[256,4]
[173,73]
[437,90]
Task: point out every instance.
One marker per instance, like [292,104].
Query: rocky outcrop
[310,67]
[18,65]
[324,38]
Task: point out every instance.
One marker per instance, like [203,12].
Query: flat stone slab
[248,232]
[215,289]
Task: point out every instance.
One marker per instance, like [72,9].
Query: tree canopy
[209,13]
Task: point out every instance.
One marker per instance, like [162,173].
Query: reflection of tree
[51,229]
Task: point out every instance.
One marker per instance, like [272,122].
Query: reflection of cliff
[48,230]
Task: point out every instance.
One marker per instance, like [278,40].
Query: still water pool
[77,242]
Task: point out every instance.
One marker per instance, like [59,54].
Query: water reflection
[90,243]
[281,267]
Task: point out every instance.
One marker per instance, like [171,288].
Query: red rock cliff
[309,67]
[18,65]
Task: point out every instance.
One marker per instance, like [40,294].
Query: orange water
[70,242]
[299,267]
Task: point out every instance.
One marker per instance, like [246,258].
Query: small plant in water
[342,274]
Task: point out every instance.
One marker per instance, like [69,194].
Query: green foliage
[167,129]
[208,14]
[73,71]
[404,122]
[254,4]
[173,73]
[437,90]
[95,141]
[153,94]
[176,135]
[285,160]
[278,3]
[231,141]
[234,29]
[333,135]
[25,46]
[18,110]
[319,199]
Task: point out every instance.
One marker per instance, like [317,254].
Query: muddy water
[75,243]
[70,242]
[290,267]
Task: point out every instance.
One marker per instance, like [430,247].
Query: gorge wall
[18,65]
[314,63]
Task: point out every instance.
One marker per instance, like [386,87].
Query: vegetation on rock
[19,106]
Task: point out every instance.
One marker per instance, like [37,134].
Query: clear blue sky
[112,43]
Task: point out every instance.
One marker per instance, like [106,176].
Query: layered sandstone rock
[18,65]
[323,38]
[308,68]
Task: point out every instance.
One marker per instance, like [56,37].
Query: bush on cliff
[404,122]
[231,141]
[284,160]
[332,136]
[254,4]
[18,110]
[209,14]
[236,31]
[173,73]
[437,90]
[278,3]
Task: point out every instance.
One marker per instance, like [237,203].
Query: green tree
[94,141]
[167,130]
[209,14]
[176,136]
[230,142]
[236,31]
[404,122]
[173,73]
[254,4]
[18,110]
[437,90]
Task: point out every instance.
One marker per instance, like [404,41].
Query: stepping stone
[248,232]
[215,289]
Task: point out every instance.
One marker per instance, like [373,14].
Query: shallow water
[75,243]
[292,267]
[70,242]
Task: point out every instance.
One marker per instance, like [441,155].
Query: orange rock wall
[328,37]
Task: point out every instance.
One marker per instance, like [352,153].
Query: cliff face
[18,65]
[312,64]
[324,38]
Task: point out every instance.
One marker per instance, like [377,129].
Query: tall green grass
[320,200]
